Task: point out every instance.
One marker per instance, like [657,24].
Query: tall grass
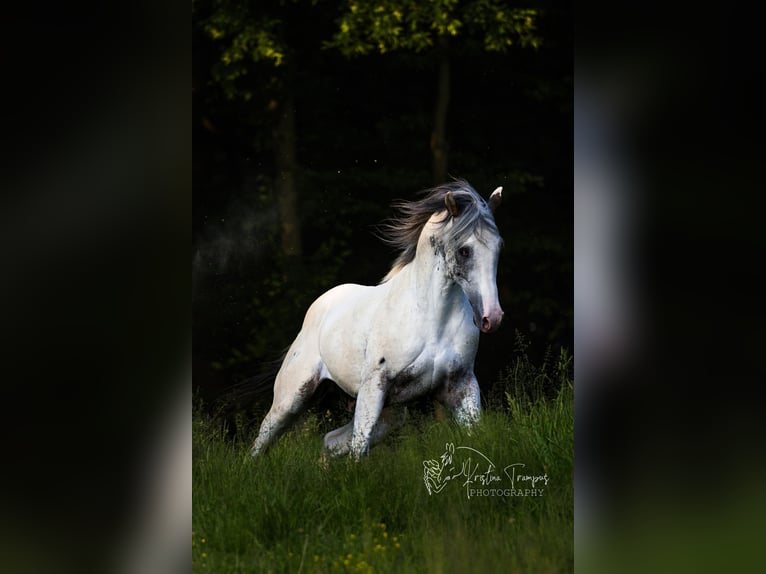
[292,511]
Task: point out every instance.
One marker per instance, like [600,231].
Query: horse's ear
[496,199]
[451,204]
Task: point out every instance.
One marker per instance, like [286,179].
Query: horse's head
[471,247]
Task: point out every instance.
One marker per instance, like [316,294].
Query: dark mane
[402,232]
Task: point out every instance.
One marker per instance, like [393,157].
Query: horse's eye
[464,252]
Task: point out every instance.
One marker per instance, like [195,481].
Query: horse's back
[336,302]
[339,308]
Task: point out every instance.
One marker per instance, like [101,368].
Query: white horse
[417,332]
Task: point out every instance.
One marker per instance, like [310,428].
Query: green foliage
[526,383]
[292,510]
[244,36]
[541,400]
[387,25]
[249,33]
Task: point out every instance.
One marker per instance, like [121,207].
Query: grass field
[290,512]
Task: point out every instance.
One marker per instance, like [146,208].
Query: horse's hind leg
[294,385]
[338,442]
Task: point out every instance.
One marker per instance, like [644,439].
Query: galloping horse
[417,332]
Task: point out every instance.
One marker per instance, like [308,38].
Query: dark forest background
[311,117]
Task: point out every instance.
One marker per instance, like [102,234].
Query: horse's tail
[252,392]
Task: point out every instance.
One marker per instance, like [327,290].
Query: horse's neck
[425,280]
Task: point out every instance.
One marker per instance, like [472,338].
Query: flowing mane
[402,232]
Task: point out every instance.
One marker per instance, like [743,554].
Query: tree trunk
[439,146]
[286,166]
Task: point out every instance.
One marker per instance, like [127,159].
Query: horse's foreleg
[369,405]
[462,398]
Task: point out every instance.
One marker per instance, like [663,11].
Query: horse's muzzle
[491,321]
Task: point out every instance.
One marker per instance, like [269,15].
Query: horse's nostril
[485,324]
